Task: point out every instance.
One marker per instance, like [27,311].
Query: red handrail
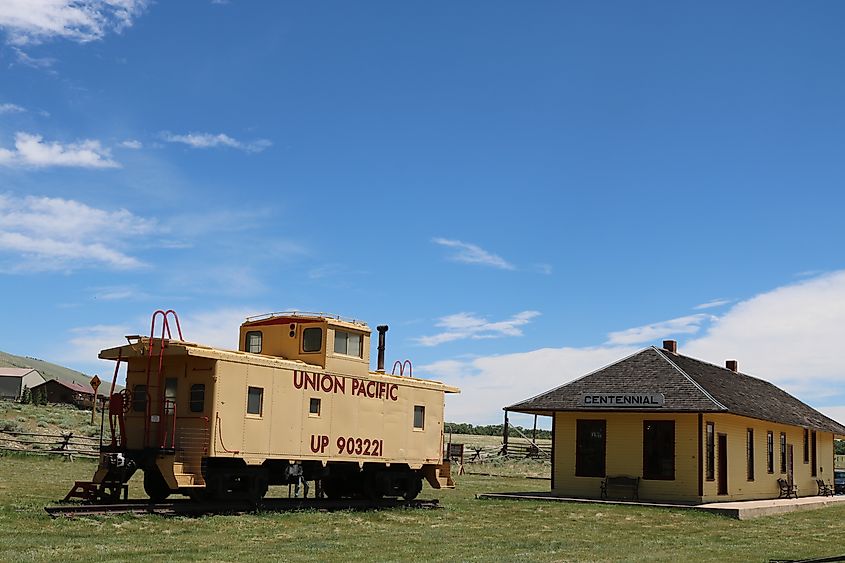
[402,368]
[111,394]
[165,328]
[220,435]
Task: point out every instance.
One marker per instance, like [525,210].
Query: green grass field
[465,529]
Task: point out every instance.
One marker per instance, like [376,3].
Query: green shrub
[9,426]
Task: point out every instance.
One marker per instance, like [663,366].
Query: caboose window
[312,339]
[314,407]
[198,397]
[253,341]
[139,398]
[255,400]
[347,343]
[419,417]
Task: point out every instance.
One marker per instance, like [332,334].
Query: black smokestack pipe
[382,329]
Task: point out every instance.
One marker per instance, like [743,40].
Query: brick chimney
[731,365]
[671,346]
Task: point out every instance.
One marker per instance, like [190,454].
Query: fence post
[505,435]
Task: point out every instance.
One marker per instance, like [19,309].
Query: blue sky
[523,191]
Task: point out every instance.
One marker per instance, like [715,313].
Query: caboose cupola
[318,339]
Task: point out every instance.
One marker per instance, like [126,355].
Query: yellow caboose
[297,400]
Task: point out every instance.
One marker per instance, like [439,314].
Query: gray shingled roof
[688,385]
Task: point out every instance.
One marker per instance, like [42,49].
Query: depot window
[312,339]
[711,452]
[198,397]
[783,452]
[253,341]
[749,450]
[806,446]
[770,451]
[590,448]
[813,452]
[314,407]
[255,400]
[659,449]
[139,398]
[419,417]
[347,343]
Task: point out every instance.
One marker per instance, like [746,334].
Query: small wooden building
[690,430]
[13,380]
[69,392]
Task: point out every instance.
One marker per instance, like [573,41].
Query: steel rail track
[190,508]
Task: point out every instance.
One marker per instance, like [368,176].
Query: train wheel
[413,487]
[154,485]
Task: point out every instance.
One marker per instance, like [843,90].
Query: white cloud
[57,234]
[211,140]
[28,22]
[31,151]
[132,144]
[119,293]
[34,62]
[218,328]
[491,383]
[473,254]
[11,108]
[791,336]
[652,332]
[467,325]
[712,304]
[86,342]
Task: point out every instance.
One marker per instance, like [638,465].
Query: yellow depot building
[667,427]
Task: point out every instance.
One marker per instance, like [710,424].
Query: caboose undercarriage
[234,479]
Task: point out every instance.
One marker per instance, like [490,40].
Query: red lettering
[355,384]
[297,379]
[340,385]
[393,392]
[327,384]
[311,380]
[319,443]
[370,392]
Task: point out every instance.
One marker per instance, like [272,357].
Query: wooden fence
[66,444]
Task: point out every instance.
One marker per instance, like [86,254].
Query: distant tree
[26,396]
[839,447]
[39,397]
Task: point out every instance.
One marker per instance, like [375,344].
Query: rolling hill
[47,369]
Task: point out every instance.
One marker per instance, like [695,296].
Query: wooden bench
[621,482]
[825,490]
[787,490]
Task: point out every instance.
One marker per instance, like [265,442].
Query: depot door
[723,464]
[790,471]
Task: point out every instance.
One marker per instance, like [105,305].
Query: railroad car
[296,400]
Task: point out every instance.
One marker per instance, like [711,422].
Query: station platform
[741,510]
